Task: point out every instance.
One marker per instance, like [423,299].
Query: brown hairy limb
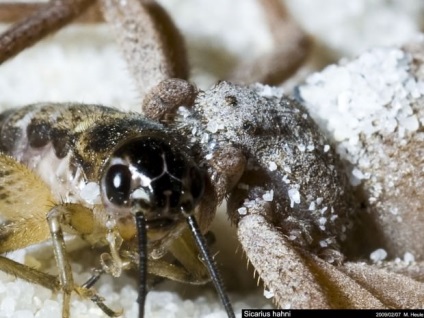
[11,12]
[48,19]
[151,43]
[163,100]
[291,48]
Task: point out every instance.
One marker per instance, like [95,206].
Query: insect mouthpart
[162,223]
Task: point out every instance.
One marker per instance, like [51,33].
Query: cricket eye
[117,185]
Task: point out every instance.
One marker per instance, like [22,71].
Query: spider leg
[291,48]
[298,278]
[163,100]
[48,19]
[228,164]
[279,265]
[395,290]
[11,12]
[151,43]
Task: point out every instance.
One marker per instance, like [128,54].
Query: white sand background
[82,64]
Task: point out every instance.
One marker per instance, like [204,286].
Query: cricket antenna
[210,264]
[142,269]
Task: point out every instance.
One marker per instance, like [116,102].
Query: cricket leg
[192,270]
[65,218]
[62,261]
[29,274]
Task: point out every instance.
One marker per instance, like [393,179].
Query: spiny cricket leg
[49,281]
[193,270]
[48,19]
[23,206]
[291,48]
[80,219]
[65,273]
[29,274]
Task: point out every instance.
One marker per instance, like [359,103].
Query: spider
[260,151]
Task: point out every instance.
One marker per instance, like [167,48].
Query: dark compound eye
[118,184]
